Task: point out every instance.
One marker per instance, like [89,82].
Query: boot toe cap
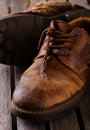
[21,97]
[28,100]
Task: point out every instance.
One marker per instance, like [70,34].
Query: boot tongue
[61,26]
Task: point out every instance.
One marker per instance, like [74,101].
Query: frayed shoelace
[57,43]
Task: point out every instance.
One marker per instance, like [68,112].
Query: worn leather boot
[20,32]
[56,81]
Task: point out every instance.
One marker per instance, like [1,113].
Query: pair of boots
[57,79]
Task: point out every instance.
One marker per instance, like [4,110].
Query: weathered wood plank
[83,3]
[5,98]
[5,91]
[36,1]
[3,9]
[29,125]
[85,109]
[67,123]
[58,0]
[18,5]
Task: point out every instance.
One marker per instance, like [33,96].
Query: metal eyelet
[78,35]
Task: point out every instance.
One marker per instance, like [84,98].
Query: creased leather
[51,8]
[64,78]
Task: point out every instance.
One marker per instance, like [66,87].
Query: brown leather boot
[56,81]
[20,32]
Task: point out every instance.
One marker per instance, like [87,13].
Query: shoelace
[58,43]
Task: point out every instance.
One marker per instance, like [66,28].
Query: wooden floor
[78,119]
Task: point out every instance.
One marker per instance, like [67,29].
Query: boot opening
[82,22]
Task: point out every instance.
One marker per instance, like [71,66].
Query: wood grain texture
[18,5]
[67,123]
[5,98]
[58,0]
[3,9]
[83,3]
[36,1]
[5,91]
[29,125]
[85,109]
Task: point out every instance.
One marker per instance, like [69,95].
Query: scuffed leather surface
[37,93]
[51,8]
[64,81]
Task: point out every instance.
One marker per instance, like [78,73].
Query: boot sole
[20,33]
[58,111]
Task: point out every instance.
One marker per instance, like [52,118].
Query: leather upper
[58,72]
[52,8]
